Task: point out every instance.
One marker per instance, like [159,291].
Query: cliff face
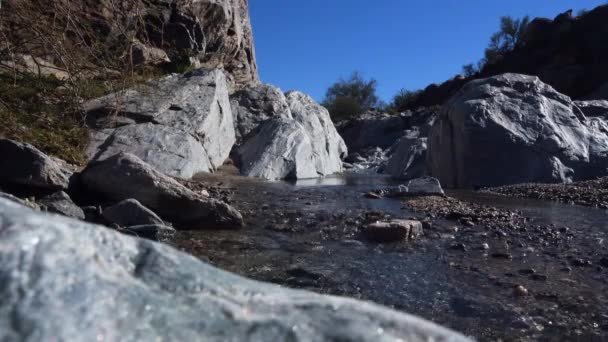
[569,53]
[215,34]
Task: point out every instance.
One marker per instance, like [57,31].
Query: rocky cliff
[215,34]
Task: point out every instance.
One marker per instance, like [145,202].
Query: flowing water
[306,235]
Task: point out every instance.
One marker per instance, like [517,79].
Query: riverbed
[459,274]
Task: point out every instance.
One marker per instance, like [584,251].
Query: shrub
[351,97]
[405,99]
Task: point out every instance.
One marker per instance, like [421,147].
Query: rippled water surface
[306,235]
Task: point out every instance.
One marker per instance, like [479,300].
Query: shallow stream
[306,235]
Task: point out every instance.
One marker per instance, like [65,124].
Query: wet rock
[124,176]
[169,150]
[459,247]
[394,230]
[131,213]
[520,291]
[61,203]
[540,136]
[196,103]
[46,260]
[372,195]
[327,145]
[155,232]
[255,104]
[25,165]
[425,186]
[277,149]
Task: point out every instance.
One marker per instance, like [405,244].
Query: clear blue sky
[308,44]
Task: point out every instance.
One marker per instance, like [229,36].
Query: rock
[155,232]
[148,55]
[124,176]
[394,230]
[25,166]
[255,104]
[61,203]
[425,186]
[594,108]
[278,149]
[409,159]
[33,65]
[513,129]
[169,150]
[328,147]
[98,279]
[25,203]
[374,129]
[196,103]
[372,195]
[131,213]
[520,291]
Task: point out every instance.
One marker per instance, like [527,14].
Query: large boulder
[327,145]
[169,150]
[277,149]
[196,103]
[124,176]
[513,129]
[131,213]
[67,280]
[409,157]
[23,165]
[255,104]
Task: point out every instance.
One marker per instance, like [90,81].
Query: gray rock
[131,213]
[392,231]
[594,108]
[155,232]
[409,158]
[124,176]
[327,145]
[148,55]
[115,287]
[278,149]
[512,129]
[255,104]
[25,165]
[25,203]
[425,186]
[169,150]
[196,103]
[61,203]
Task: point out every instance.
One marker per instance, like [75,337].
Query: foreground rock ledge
[72,281]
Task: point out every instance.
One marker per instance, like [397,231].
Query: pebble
[520,291]
[485,246]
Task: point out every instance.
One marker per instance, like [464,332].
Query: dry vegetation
[56,54]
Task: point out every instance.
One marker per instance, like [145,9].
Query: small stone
[394,230]
[485,246]
[458,247]
[502,256]
[520,291]
[372,195]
